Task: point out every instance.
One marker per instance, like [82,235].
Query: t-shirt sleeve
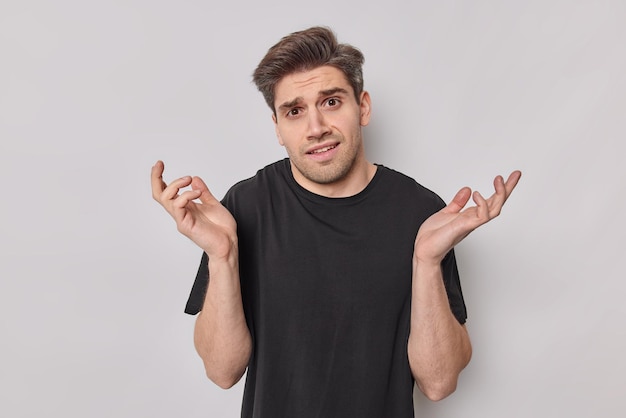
[452,283]
[198,290]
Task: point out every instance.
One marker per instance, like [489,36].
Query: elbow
[224,366]
[438,391]
[438,385]
[224,380]
[224,383]
[226,372]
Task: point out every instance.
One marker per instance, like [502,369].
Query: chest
[314,261]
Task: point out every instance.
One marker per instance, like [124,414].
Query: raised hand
[446,228]
[207,223]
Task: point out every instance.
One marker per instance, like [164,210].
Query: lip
[311,151]
[324,155]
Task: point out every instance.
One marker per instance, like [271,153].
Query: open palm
[446,228]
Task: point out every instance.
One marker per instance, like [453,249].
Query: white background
[94,276]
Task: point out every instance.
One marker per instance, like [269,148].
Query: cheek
[283,138]
[281,135]
[287,136]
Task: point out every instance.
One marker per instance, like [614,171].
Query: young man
[333,281]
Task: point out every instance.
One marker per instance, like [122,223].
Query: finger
[498,185]
[156,179]
[184,198]
[206,196]
[496,200]
[503,191]
[181,205]
[171,191]
[482,207]
[459,201]
[512,181]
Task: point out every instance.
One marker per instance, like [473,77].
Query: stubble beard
[331,172]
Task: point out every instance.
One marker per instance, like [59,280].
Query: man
[331,280]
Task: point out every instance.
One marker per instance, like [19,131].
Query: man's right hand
[221,335]
[207,223]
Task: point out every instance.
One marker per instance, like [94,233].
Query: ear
[280,140]
[366,108]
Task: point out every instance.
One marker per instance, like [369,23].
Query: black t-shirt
[326,288]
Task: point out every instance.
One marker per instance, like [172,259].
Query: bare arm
[439,347]
[221,335]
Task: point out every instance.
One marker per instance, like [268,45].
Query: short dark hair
[305,50]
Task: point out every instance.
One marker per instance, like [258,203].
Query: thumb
[206,197]
[459,201]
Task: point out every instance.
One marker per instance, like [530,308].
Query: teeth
[319,151]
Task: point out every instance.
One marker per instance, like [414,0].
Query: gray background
[94,276]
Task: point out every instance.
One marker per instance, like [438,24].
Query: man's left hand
[446,228]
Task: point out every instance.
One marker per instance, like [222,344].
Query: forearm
[221,335]
[439,346]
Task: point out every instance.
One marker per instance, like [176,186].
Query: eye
[293,112]
[333,102]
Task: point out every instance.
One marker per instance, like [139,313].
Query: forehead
[308,84]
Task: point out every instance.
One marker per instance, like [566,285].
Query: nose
[318,126]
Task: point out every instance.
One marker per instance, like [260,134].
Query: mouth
[322,150]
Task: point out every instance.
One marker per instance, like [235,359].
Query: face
[318,121]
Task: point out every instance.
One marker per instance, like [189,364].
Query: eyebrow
[329,92]
[332,91]
[290,104]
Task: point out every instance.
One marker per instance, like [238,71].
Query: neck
[353,183]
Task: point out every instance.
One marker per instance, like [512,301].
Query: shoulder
[407,188]
[265,176]
[257,186]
